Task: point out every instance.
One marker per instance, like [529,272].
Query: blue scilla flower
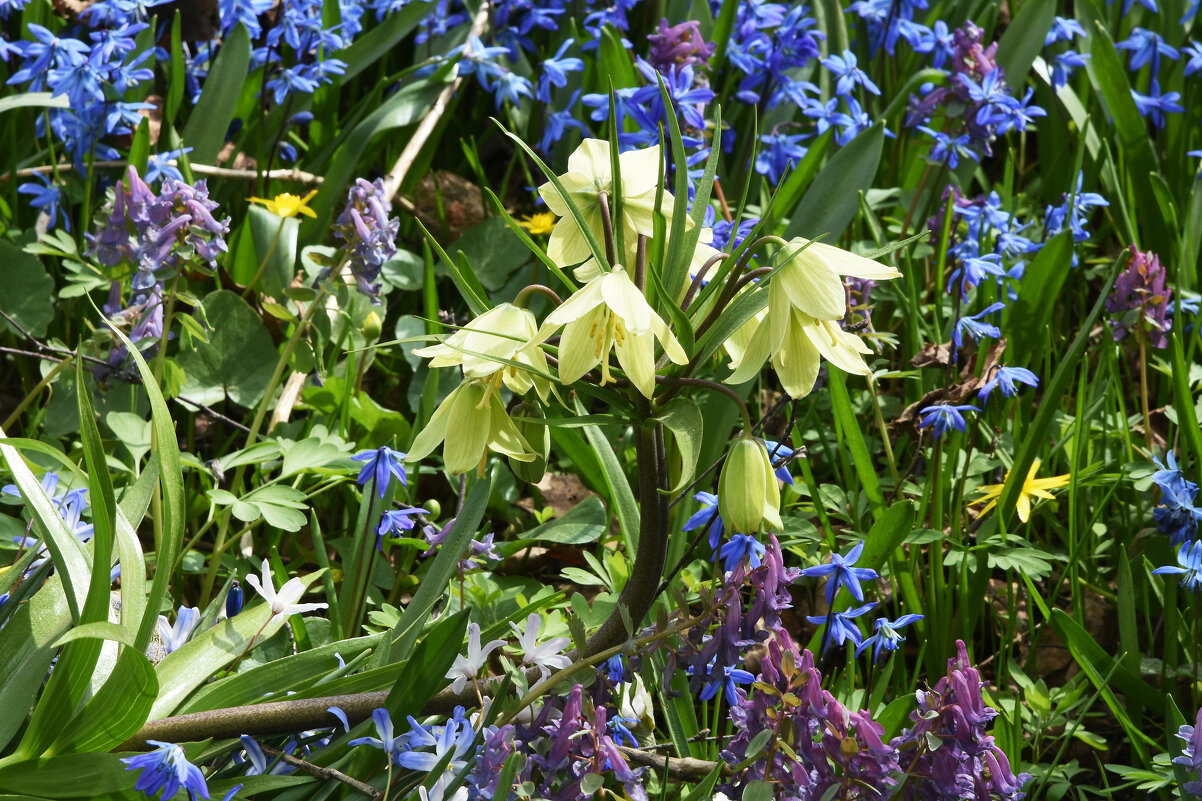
[777,154]
[847,70]
[1007,380]
[971,271]
[948,149]
[1148,4]
[1155,105]
[725,683]
[1147,47]
[48,197]
[1063,30]
[944,416]
[380,466]
[456,738]
[1064,64]
[510,86]
[708,516]
[387,741]
[621,730]
[1189,565]
[886,636]
[1175,515]
[840,626]
[780,455]
[740,547]
[558,123]
[167,769]
[841,571]
[976,327]
[259,764]
[556,69]
[395,521]
[1194,57]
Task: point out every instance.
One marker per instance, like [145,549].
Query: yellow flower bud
[372,326]
[748,495]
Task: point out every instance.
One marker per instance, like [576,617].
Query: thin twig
[679,768]
[327,773]
[396,176]
[211,413]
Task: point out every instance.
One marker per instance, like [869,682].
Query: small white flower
[468,667]
[284,603]
[546,656]
[175,636]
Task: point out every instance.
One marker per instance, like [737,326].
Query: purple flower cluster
[159,234]
[816,744]
[967,764]
[1140,299]
[574,745]
[1191,754]
[976,102]
[679,46]
[369,233]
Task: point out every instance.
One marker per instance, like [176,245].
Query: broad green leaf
[583,523]
[191,665]
[210,120]
[382,39]
[1039,296]
[28,295]
[1023,40]
[238,360]
[434,655]
[27,646]
[833,198]
[33,100]
[435,582]
[117,711]
[682,416]
[275,241]
[89,776]
[850,428]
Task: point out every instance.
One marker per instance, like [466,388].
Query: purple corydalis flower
[678,45]
[1191,754]
[842,572]
[370,233]
[1140,299]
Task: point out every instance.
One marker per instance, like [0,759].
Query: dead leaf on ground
[462,203]
[962,391]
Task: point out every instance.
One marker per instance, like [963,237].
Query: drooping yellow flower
[1032,488]
[609,312]
[806,299]
[535,224]
[589,173]
[469,423]
[288,204]
[503,332]
[748,495]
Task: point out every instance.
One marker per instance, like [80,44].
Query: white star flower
[468,667]
[546,656]
[284,603]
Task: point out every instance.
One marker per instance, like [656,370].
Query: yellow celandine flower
[535,224]
[469,423]
[806,299]
[1032,488]
[288,204]
[502,332]
[610,312]
[589,173]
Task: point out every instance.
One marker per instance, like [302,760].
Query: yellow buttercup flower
[535,224]
[1032,488]
[288,204]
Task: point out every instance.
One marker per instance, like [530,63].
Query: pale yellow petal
[504,436]
[467,429]
[640,170]
[845,262]
[591,157]
[753,358]
[813,287]
[578,348]
[636,354]
[669,342]
[797,363]
[434,431]
[581,302]
[626,301]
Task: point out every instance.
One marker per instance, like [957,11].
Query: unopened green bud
[372,326]
[748,495]
[537,435]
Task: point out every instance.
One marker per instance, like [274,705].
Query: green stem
[266,258]
[253,434]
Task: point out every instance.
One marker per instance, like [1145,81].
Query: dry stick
[325,773]
[396,176]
